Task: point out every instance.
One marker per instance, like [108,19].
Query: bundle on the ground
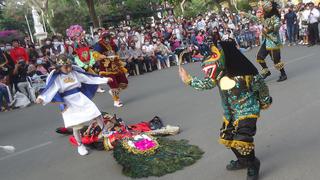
[170,156]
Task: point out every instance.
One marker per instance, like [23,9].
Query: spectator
[313,24]
[20,74]
[5,103]
[201,24]
[161,52]
[215,36]
[148,52]
[40,67]
[33,54]
[18,53]
[46,48]
[291,20]
[57,47]
[282,33]
[123,52]
[135,57]
[303,24]
[6,67]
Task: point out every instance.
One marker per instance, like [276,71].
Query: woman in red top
[18,53]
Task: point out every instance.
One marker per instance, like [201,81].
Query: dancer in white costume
[74,89]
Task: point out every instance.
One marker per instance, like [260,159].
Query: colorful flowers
[141,144]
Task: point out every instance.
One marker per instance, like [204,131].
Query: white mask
[8,47]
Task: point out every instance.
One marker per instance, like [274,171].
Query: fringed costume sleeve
[261,90]
[202,84]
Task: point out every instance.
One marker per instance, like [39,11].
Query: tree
[92,12]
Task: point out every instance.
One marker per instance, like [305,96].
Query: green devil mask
[213,65]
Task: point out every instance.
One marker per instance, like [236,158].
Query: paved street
[287,139]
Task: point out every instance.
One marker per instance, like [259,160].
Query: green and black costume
[241,103]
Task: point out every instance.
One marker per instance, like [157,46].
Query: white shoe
[100,90]
[117,104]
[82,150]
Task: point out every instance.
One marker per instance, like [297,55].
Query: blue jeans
[4,95]
[162,58]
[290,32]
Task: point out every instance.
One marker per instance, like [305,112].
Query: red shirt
[19,53]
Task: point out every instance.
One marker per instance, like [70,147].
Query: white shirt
[313,15]
[201,25]
[148,49]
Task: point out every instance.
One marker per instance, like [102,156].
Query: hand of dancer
[110,80]
[102,57]
[184,75]
[39,101]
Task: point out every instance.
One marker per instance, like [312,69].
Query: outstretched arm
[90,79]
[196,83]
[47,95]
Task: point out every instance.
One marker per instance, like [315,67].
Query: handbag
[155,123]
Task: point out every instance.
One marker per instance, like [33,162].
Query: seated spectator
[18,53]
[6,67]
[5,103]
[148,53]
[123,52]
[135,57]
[161,52]
[46,48]
[37,77]
[33,54]
[40,68]
[175,43]
[57,47]
[20,74]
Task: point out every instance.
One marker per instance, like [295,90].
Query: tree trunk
[92,12]
[231,5]
[181,6]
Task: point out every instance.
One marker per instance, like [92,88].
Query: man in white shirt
[148,53]
[201,24]
[313,15]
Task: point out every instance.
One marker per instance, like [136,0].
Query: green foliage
[243,5]
[60,14]
[12,17]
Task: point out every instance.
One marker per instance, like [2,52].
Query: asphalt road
[287,140]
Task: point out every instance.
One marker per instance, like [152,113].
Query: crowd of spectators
[24,65]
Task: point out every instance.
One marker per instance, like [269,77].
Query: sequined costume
[83,54]
[111,66]
[243,94]
[271,43]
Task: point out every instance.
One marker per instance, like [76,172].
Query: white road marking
[26,150]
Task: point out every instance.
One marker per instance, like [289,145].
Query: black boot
[283,76]
[236,165]
[253,170]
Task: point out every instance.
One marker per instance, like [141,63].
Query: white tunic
[79,108]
